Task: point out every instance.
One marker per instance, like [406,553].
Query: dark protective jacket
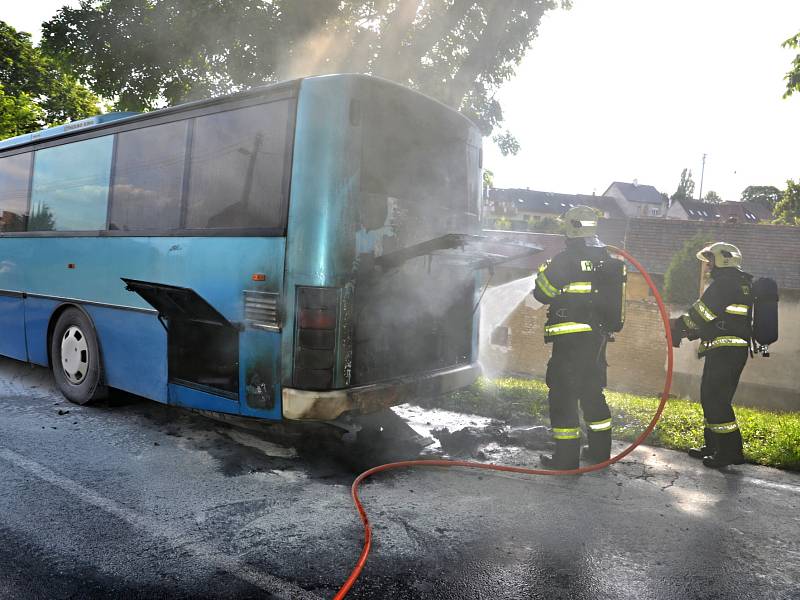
[568,284]
[722,316]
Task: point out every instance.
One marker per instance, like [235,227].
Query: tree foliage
[503,223]
[787,210]
[146,52]
[682,279]
[34,93]
[713,197]
[793,76]
[685,187]
[18,114]
[41,219]
[546,225]
[765,195]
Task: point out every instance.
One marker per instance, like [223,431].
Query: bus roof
[50,132]
[100,121]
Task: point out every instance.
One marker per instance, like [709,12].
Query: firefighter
[721,319]
[577,369]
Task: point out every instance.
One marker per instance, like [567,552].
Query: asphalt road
[132,499]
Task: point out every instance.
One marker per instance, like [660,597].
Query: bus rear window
[238,163]
[407,154]
[15,174]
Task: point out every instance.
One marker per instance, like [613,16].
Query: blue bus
[298,251]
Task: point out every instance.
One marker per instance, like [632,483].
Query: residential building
[525,208]
[725,212]
[637,200]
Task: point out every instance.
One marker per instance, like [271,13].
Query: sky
[617,90]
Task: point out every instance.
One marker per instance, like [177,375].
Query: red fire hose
[362,559]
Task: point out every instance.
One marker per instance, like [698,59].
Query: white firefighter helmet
[580,222]
[721,255]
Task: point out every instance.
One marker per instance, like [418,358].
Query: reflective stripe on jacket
[721,317]
[566,284]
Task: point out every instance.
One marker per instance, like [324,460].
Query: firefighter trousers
[576,374]
[721,372]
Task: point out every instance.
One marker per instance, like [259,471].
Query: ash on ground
[460,435]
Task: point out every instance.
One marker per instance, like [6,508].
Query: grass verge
[770,438]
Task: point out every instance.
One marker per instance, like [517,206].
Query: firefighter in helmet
[569,283]
[721,319]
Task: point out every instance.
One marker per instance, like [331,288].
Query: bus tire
[75,358]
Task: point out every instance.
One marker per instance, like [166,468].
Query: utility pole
[702,174]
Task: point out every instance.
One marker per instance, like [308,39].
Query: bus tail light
[315,342]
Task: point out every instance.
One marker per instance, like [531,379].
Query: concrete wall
[637,360]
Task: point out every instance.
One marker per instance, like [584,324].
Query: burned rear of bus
[388,226]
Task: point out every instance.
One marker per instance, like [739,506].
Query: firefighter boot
[599,448]
[707,449]
[566,456]
[728,451]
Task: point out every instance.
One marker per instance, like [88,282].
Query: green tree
[682,279]
[765,195]
[503,223]
[787,210]
[488,179]
[34,92]
[793,76]
[147,52]
[18,114]
[41,219]
[713,197]
[685,187]
[546,225]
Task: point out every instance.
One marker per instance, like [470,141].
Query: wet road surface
[132,499]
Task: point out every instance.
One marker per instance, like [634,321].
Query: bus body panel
[86,271]
[260,374]
[187,397]
[12,325]
[324,188]
[90,268]
[134,347]
[38,312]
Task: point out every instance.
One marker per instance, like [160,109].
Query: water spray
[362,559]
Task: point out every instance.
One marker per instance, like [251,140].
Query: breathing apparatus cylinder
[609,279]
[765,314]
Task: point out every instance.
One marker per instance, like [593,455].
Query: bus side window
[15,174]
[70,186]
[238,162]
[148,178]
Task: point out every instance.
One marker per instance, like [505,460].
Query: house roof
[552,202]
[636,192]
[745,212]
[742,212]
[767,250]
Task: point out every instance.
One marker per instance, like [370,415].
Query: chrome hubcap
[74,355]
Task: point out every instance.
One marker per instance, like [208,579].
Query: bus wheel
[75,357]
